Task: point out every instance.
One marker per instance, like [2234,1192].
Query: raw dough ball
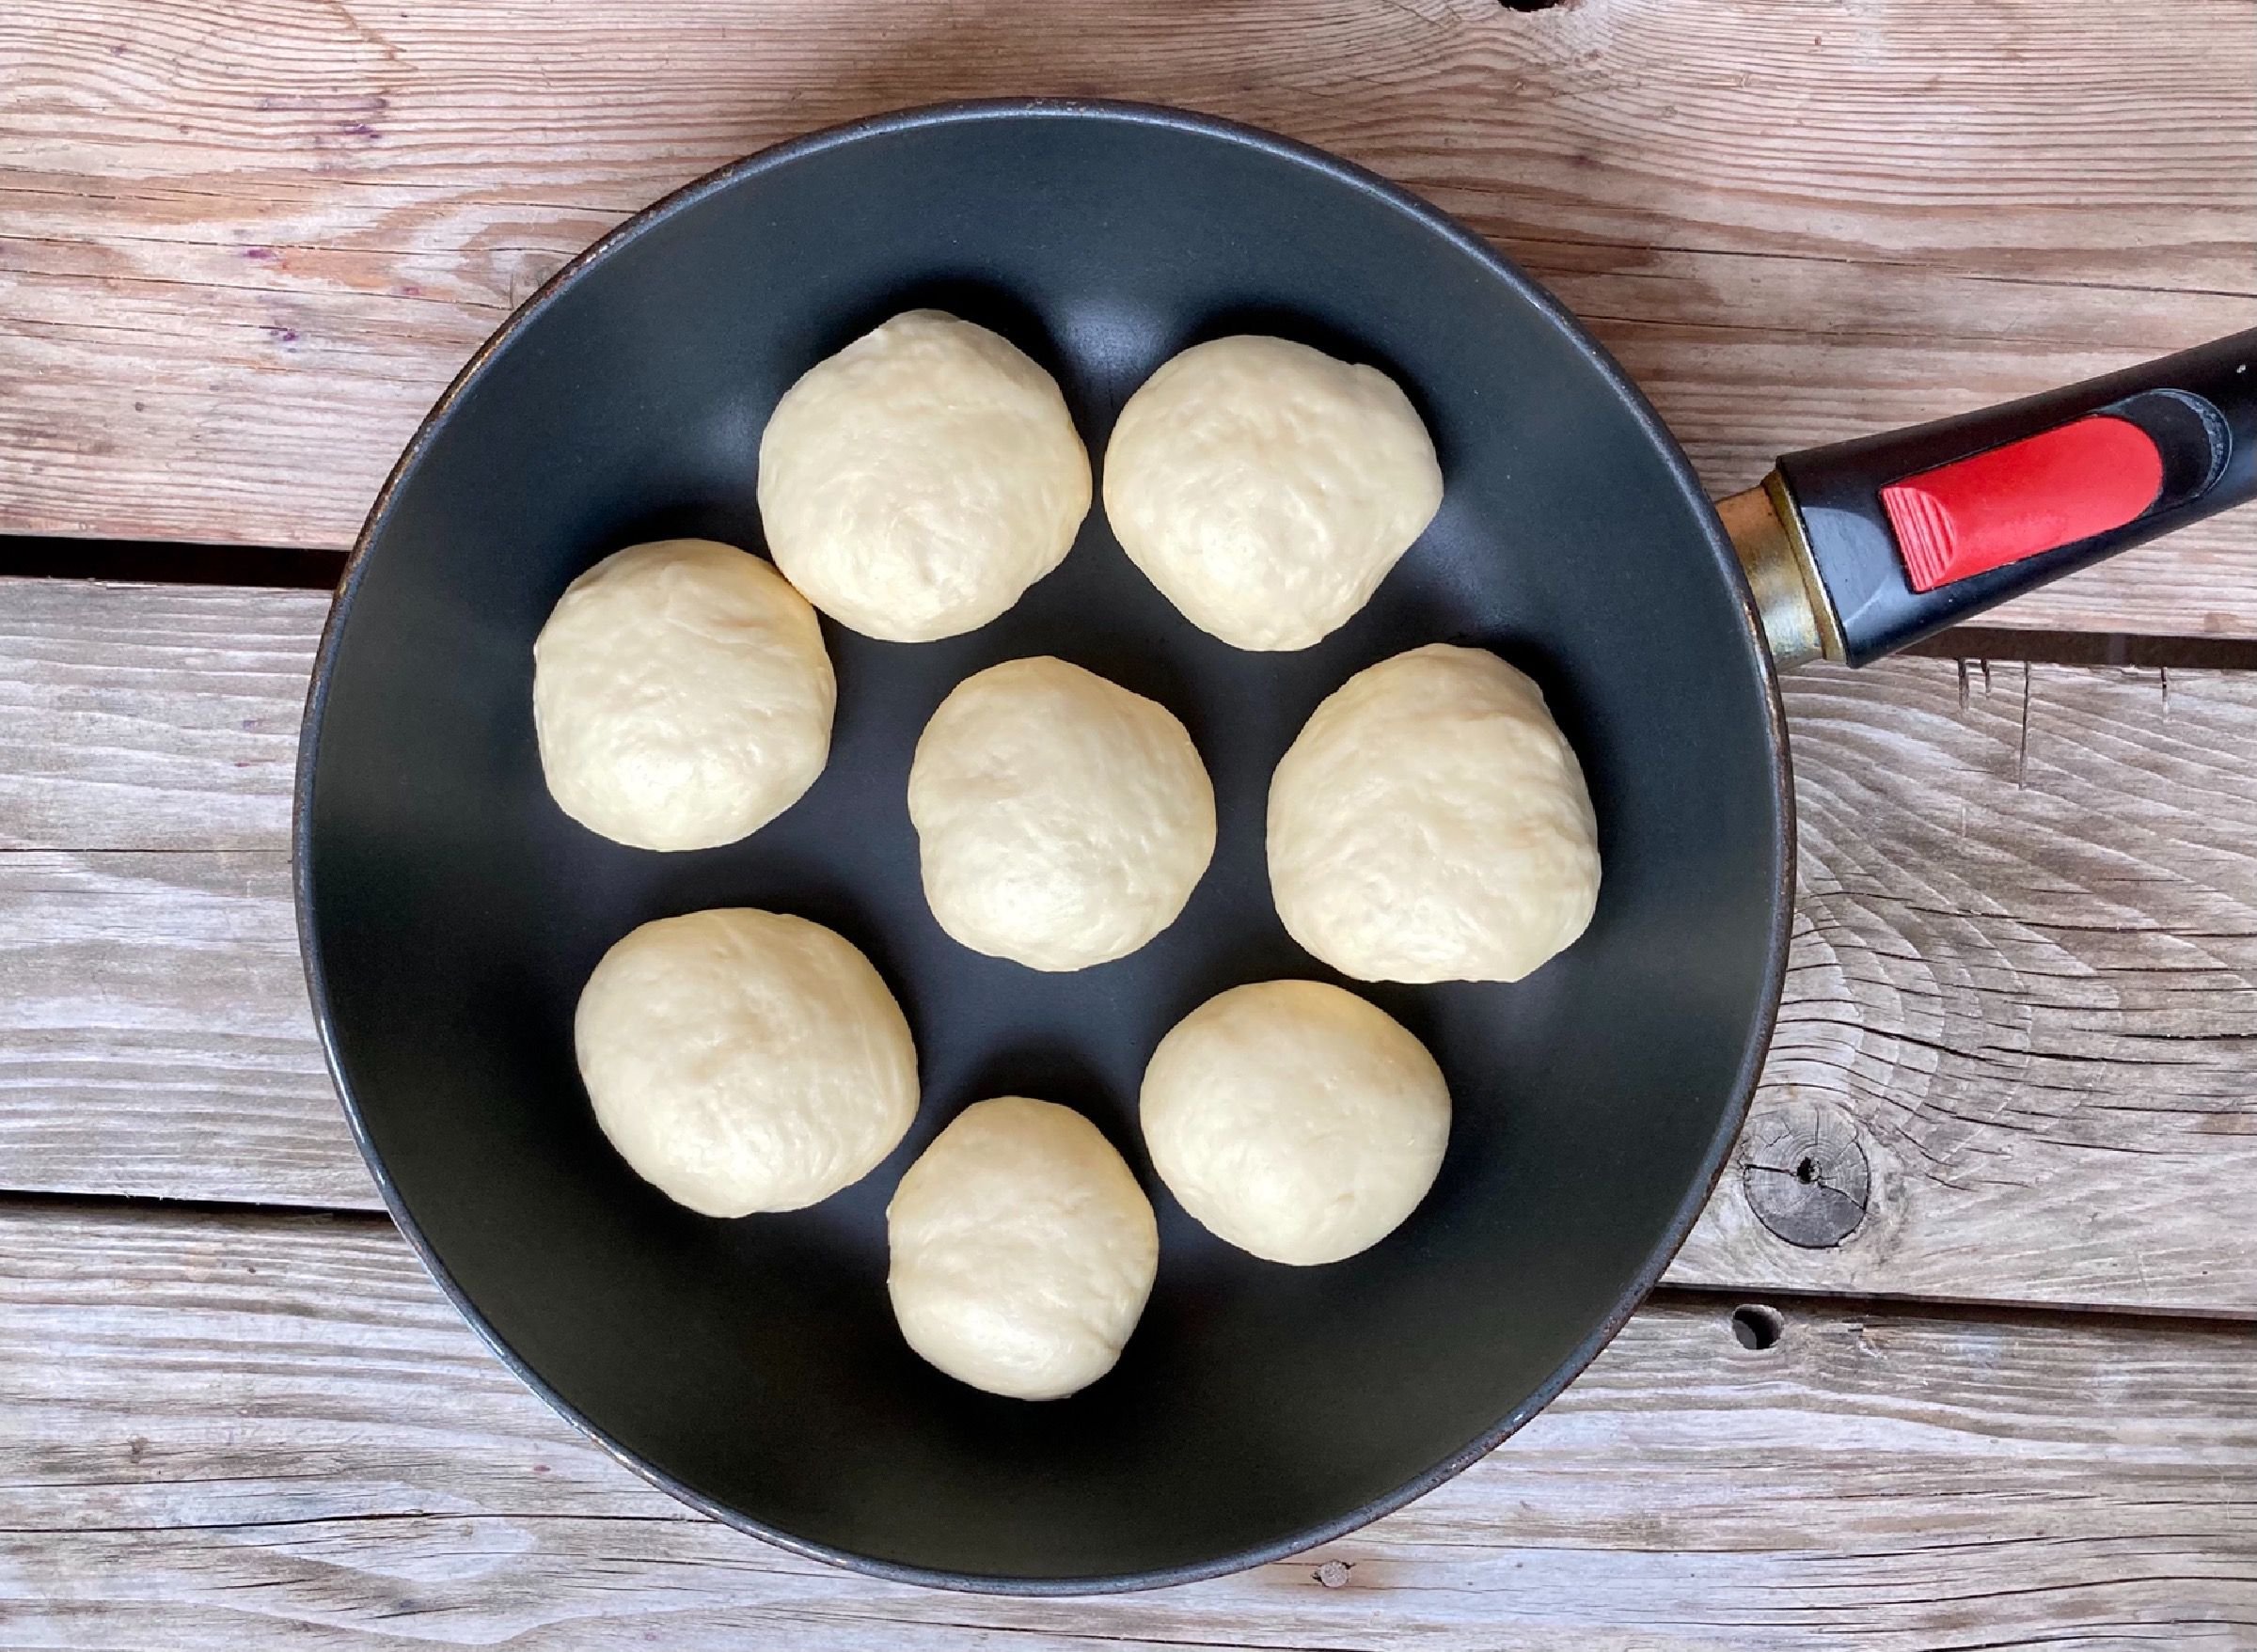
[681,696]
[744,1061]
[915,483]
[1022,1251]
[1267,488]
[1060,820]
[1431,823]
[1295,1120]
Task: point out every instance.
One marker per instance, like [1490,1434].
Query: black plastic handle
[2198,408]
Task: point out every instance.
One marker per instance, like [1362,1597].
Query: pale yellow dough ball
[682,696]
[1022,1251]
[743,1061]
[1062,821]
[1432,823]
[1267,488]
[1294,1120]
[916,484]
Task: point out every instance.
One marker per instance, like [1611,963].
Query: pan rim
[1432,218]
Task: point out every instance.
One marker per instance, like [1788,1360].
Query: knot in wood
[1804,1173]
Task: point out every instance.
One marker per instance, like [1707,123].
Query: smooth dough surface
[1267,488]
[1060,820]
[682,697]
[1294,1120]
[1432,823]
[916,484]
[1022,1250]
[744,1061]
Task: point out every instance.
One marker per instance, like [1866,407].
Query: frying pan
[450,913]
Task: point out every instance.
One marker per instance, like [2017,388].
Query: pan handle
[1860,549]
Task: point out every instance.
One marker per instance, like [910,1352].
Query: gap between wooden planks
[274,1429]
[242,248]
[2023,986]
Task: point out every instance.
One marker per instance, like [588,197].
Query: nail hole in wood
[1757,1326]
[1529,4]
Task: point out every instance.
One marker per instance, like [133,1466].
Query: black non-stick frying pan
[450,913]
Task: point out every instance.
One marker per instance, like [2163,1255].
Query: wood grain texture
[153,1016]
[228,1431]
[242,248]
[152,1007]
[150,717]
[2024,982]
[2024,969]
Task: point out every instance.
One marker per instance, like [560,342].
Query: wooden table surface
[1996,1192]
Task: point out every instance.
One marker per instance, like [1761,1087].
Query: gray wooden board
[151,716]
[272,1431]
[2024,984]
[154,1035]
[2023,995]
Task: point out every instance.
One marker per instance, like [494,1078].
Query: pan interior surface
[451,912]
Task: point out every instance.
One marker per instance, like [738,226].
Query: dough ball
[1267,488]
[1431,823]
[1062,820]
[916,482]
[744,1061]
[1295,1120]
[681,696]
[1022,1251]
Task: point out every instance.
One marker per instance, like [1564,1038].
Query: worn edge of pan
[1434,220]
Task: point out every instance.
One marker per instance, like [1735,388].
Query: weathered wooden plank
[150,717]
[2022,995]
[153,1019]
[2023,987]
[224,1428]
[242,251]
[152,1009]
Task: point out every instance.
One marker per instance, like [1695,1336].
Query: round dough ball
[1062,820]
[1022,1251]
[681,696]
[1267,488]
[744,1061]
[916,484]
[1432,823]
[1294,1120]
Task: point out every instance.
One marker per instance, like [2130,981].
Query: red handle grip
[2025,499]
